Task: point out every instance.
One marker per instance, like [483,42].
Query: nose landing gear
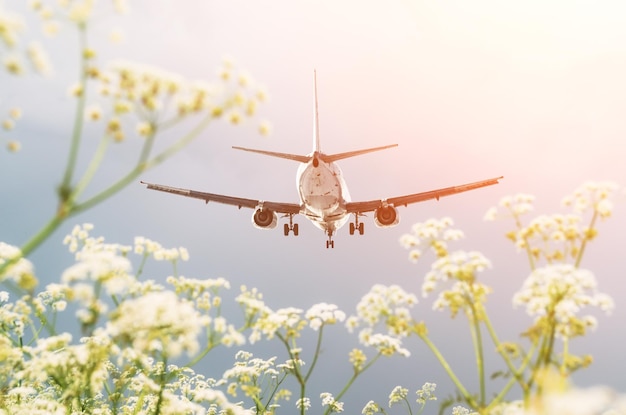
[330,243]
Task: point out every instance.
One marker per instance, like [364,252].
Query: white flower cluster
[148,247]
[249,373]
[462,269]
[434,234]
[557,238]
[21,271]
[593,195]
[160,98]
[329,400]
[516,206]
[426,393]
[389,305]
[323,313]
[397,395]
[12,26]
[564,291]
[158,322]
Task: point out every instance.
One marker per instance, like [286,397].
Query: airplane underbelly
[320,190]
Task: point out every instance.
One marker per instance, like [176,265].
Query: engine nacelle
[386,216]
[264,219]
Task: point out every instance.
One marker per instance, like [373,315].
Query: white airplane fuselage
[323,194]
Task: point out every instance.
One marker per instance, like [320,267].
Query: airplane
[324,196]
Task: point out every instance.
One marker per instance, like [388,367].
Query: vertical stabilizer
[316,121]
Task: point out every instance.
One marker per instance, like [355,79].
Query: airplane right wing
[278,207]
[371,205]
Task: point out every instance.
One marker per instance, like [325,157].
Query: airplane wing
[227,200]
[369,206]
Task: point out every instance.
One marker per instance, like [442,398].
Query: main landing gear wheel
[290,227]
[354,226]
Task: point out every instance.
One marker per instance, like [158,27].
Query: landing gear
[291,226]
[330,243]
[356,225]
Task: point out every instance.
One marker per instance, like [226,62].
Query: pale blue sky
[533,91]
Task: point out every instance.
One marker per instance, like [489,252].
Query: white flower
[158,322]
[566,290]
[398,394]
[427,393]
[323,313]
[329,400]
[386,345]
[385,304]
[303,403]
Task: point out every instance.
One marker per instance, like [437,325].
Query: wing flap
[371,205]
[240,202]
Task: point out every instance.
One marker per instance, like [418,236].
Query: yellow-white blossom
[21,271]
[329,400]
[426,393]
[158,322]
[434,234]
[323,313]
[560,293]
[398,394]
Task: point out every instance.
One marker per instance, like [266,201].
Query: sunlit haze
[534,91]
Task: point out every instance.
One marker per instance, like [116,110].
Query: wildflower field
[124,330]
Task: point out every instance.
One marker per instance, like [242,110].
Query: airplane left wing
[278,207]
[369,206]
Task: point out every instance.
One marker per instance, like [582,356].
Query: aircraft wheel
[295,229]
[352,228]
[361,228]
[286,229]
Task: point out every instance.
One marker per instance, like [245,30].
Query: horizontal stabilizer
[295,157]
[328,158]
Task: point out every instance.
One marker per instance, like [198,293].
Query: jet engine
[264,219]
[386,216]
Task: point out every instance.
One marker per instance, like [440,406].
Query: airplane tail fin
[316,119]
[317,152]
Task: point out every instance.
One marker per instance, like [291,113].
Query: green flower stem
[144,259]
[200,356]
[296,370]
[91,169]
[316,354]
[36,240]
[446,366]
[565,356]
[497,342]
[478,350]
[584,243]
[499,398]
[408,406]
[68,209]
[529,253]
[271,397]
[352,379]
[548,355]
[145,164]
[64,189]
